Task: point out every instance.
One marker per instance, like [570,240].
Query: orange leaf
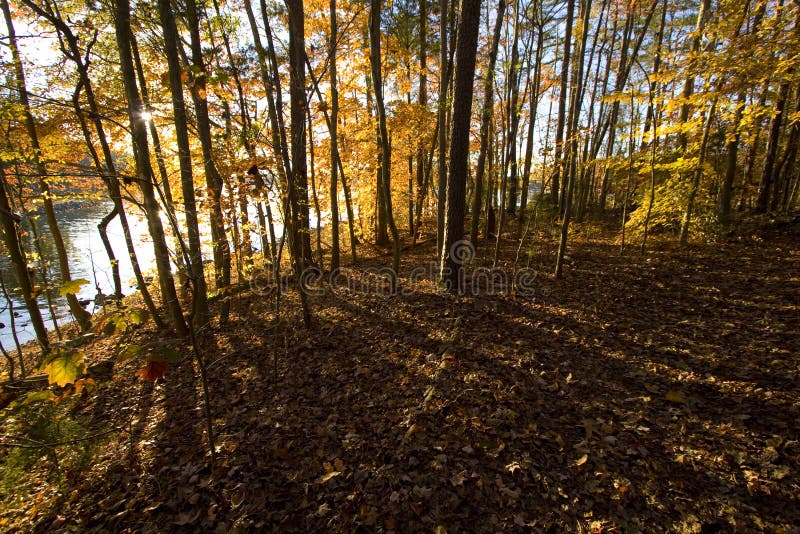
[152,372]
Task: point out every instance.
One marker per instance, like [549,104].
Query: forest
[394,265]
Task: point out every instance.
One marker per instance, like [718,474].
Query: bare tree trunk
[780,201]
[144,170]
[513,115]
[532,108]
[196,272]
[442,118]
[334,129]
[688,86]
[453,259]
[9,223]
[298,184]
[770,158]
[487,112]
[423,104]
[82,316]
[731,164]
[562,102]
[386,154]
[697,175]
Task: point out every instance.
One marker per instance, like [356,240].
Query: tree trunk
[697,175]
[198,80]
[334,128]
[144,170]
[423,104]
[770,158]
[442,118]
[731,165]
[532,108]
[298,184]
[195,263]
[82,316]
[386,155]
[487,112]
[11,237]
[453,255]
[688,86]
[562,102]
[513,115]
[569,176]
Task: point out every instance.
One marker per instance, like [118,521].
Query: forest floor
[655,392]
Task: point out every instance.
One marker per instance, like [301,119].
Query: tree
[442,124]
[11,237]
[144,171]
[195,259]
[386,151]
[487,112]
[334,125]
[452,264]
[298,183]
[82,316]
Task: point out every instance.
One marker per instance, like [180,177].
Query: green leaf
[110,327]
[130,351]
[34,397]
[138,315]
[72,287]
[65,368]
[168,355]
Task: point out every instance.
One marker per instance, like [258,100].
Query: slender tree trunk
[196,272]
[83,317]
[423,104]
[453,255]
[386,155]
[697,175]
[532,108]
[144,170]
[271,88]
[198,80]
[314,195]
[11,236]
[688,86]
[487,112]
[298,184]
[154,137]
[625,64]
[731,164]
[442,118]
[562,102]
[334,128]
[340,167]
[513,115]
[569,176]
[650,117]
[786,168]
[771,156]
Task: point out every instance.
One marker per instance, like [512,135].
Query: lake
[88,260]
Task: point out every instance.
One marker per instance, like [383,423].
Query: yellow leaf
[65,368]
[326,477]
[582,460]
[676,397]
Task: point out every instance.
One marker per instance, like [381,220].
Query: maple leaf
[152,371]
[64,368]
[72,287]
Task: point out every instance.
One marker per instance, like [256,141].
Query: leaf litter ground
[653,392]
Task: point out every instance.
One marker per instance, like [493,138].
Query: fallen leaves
[593,407]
